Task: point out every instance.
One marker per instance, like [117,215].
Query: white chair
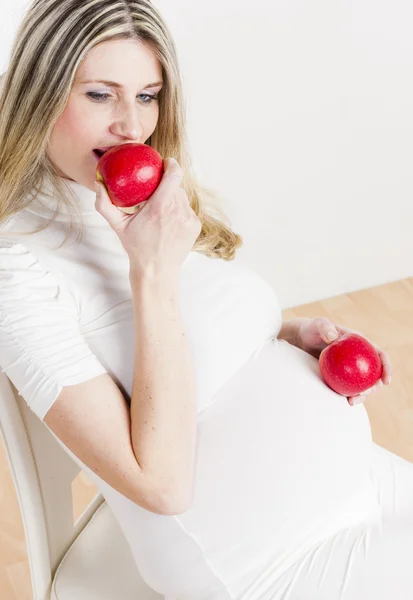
[90,560]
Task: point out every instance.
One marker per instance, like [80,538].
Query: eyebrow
[118,85]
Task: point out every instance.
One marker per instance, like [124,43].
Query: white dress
[282,461]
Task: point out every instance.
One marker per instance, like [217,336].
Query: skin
[125,115]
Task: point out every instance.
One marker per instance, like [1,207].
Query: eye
[97,97]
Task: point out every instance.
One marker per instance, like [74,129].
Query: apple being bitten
[350,365]
[131,173]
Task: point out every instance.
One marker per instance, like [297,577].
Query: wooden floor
[384,314]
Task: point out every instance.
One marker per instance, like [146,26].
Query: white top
[282,460]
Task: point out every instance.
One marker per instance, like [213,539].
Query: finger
[374,388]
[182,197]
[354,400]
[105,206]
[189,212]
[171,179]
[343,329]
[386,365]
[363,395]
[327,330]
[385,361]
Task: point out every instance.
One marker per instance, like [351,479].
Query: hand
[159,236]
[312,337]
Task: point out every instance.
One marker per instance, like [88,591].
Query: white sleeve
[42,348]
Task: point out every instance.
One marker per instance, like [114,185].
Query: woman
[232,469]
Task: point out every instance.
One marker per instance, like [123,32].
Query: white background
[300,117]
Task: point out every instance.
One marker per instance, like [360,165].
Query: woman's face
[124,113]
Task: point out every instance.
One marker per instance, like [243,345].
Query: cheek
[152,122]
[75,125]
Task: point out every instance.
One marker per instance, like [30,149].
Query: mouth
[98,153]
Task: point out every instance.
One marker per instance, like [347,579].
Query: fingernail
[390,380]
[331,335]
[359,401]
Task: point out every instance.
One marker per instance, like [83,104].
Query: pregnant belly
[276,432]
[281,458]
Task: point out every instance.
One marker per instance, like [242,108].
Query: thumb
[105,207]
[331,334]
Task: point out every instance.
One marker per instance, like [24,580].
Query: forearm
[289,330]
[163,405]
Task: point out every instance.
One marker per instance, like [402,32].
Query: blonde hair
[52,41]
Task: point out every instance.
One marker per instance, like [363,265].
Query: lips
[101,151]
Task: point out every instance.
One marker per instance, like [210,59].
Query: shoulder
[26,283]
[42,348]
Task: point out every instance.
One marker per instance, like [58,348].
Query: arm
[289,330]
[67,387]
[163,405]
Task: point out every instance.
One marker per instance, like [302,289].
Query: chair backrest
[42,473]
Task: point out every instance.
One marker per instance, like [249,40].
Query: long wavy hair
[52,41]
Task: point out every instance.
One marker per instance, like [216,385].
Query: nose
[128,123]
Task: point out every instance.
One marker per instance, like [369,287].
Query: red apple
[131,174]
[350,365]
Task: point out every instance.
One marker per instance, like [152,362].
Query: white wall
[310,140]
